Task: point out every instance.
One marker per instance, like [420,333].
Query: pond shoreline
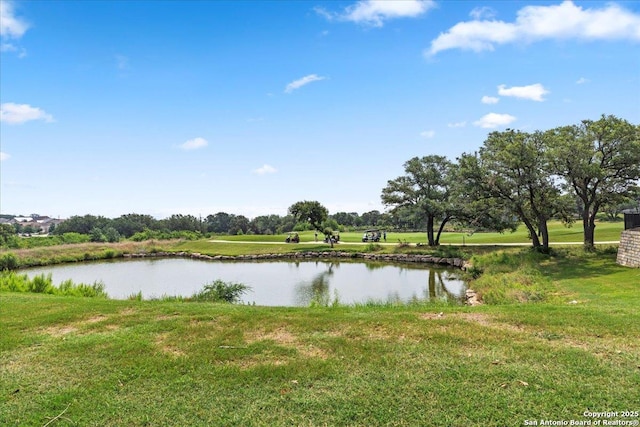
[411,258]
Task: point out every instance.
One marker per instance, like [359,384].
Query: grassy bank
[102,362]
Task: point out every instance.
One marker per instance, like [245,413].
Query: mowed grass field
[559,233]
[92,362]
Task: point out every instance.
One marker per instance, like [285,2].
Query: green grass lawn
[605,232]
[113,363]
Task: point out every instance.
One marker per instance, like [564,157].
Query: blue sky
[163,107]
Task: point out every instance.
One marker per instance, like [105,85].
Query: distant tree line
[141,227]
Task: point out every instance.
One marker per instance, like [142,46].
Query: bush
[75,238]
[448,251]
[12,282]
[165,235]
[109,253]
[219,291]
[41,284]
[373,247]
[8,261]
[68,288]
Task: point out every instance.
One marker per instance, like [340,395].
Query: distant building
[38,223]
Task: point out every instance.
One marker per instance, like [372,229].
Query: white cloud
[11,26]
[561,21]
[4,156]
[484,12]
[8,47]
[428,134]
[297,84]
[534,92]
[194,144]
[20,113]
[265,169]
[494,120]
[582,80]
[376,12]
[457,124]
[490,100]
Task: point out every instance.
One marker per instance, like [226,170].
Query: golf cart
[335,238]
[372,235]
[292,238]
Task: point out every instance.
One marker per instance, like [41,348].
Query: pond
[273,283]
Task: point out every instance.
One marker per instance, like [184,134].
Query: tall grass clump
[135,297]
[43,284]
[220,291]
[505,261]
[505,277]
[8,261]
[68,288]
[448,251]
[12,282]
[521,286]
[373,247]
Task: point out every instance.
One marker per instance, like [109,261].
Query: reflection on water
[315,291]
[275,283]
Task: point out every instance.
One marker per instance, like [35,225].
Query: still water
[274,283]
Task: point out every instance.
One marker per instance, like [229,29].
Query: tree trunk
[430,222]
[532,232]
[544,231]
[589,227]
[442,224]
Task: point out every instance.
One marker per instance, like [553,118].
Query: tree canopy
[423,192]
[599,161]
[311,212]
[512,169]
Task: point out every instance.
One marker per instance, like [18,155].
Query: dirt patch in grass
[488,322]
[59,331]
[285,338]
[384,333]
[431,316]
[79,327]
[95,319]
[167,348]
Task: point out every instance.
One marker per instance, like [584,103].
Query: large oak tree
[423,192]
[511,170]
[599,161]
